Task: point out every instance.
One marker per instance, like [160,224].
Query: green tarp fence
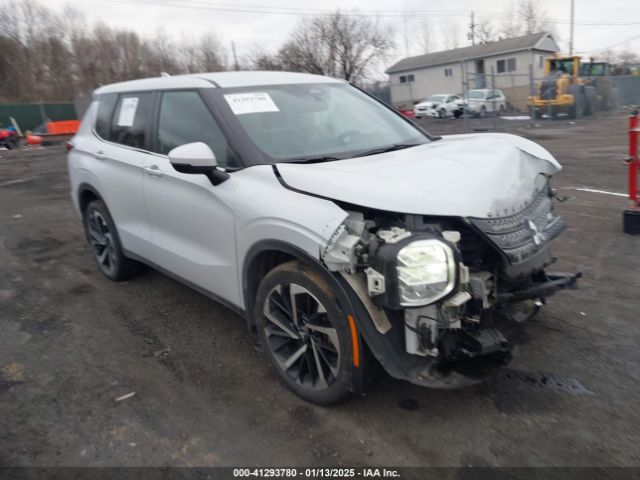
[31,115]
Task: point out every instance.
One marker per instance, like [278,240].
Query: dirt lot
[72,342]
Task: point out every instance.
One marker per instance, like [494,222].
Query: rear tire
[104,242]
[306,336]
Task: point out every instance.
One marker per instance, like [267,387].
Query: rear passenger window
[131,119]
[184,118]
[105,111]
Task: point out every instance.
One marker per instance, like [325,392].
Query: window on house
[508,65]
[448,72]
[407,78]
[540,61]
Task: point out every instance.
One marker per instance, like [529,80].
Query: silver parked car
[343,233]
[482,101]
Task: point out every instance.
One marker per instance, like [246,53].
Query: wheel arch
[263,257]
[86,194]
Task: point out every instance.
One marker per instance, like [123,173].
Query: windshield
[476,94]
[437,98]
[305,121]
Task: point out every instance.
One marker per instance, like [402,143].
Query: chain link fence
[498,101]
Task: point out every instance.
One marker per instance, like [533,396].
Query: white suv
[342,232]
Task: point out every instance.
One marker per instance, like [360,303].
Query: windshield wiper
[316,159]
[389,148]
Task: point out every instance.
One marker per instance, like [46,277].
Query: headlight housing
[418,271]
[426,272]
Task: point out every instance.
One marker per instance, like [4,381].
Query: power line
[308,11]
[614,45]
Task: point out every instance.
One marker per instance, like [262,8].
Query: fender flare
[264,246]
[87,187]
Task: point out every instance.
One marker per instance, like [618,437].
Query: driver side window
[184,118]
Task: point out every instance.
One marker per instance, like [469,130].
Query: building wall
[433,80]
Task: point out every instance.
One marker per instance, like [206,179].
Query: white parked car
[482,101]
[332,224]
[440,105]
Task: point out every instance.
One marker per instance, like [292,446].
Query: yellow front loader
[562,90]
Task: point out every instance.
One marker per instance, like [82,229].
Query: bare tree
[426,37]
[510,27]
[261,60]
[484,31]
[450,33]
[607,56]
[627,56]
[336,45]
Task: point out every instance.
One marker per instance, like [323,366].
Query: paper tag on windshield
[250,103]
[127,112]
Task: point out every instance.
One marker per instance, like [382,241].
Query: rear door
[193,225]
[119,157]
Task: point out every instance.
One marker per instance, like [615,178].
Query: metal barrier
[631,216]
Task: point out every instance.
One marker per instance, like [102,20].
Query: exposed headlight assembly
[426,272]
[418,271]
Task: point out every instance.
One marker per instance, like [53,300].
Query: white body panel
[116,172]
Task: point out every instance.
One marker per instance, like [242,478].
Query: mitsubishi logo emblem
[538,236]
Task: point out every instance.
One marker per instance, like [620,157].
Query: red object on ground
[407,112]
[4,133]
[63,128]
[633,160]
[33,140]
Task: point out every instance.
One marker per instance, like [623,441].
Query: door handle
[153,170]
[100,155]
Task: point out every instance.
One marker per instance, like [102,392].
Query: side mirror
[197,158]
[197,154]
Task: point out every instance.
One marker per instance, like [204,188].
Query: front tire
[104,241]
[306,336]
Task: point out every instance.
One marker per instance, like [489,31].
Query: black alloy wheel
[306,336]
[104,241]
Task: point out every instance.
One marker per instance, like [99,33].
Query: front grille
[522,235]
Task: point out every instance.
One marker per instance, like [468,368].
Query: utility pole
[406,36]
[472,29]
[235,57]
[571,32]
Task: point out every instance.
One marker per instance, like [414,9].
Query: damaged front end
[436,288]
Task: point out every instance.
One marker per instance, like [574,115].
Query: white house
[413,79]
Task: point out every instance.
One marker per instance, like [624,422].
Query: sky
[265,24]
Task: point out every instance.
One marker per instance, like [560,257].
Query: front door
[193,225]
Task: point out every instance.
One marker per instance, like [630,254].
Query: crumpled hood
[471,175]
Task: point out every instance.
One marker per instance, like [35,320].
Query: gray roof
[535,41]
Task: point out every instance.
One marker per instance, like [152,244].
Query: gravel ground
[72,342]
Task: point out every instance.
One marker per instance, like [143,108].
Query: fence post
[493,99]
[532,92]
[465,80]
[43,113]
